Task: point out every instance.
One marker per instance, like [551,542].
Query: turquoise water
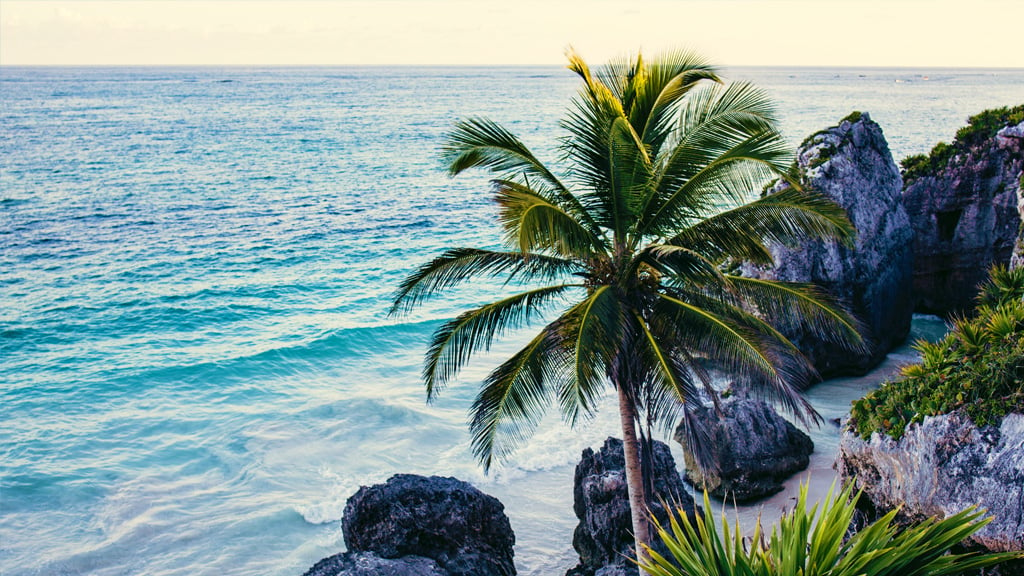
[196,368]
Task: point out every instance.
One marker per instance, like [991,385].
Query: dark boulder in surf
[604,536]
[369,564]
[421,525]
[755,450]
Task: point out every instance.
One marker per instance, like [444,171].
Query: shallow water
[196,367]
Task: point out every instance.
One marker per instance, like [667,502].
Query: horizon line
[484,66]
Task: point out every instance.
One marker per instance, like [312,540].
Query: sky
[919,33]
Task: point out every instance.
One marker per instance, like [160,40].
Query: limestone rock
[755,450]
[1017,258]
[604,537]
[965,218]
[851,164]
[446,520]
[942,466]
[369,564]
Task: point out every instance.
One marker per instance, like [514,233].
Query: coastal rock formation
[755,450]
[851,164]
[1017,258]
[418,526]
[942,466]
[604,538]
[963,205]
[369,564]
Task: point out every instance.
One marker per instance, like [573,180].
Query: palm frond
[803,306]
[595,330]
[533,223]
[456,340]
[630,173]
[457,265]
[729,177]
[727,337]
[786,217]
[670,77]
[673,382]
[482,143]
[513,398]
[679,263]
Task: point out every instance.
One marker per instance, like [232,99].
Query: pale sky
[947,33]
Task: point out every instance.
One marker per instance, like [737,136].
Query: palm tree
[628,250]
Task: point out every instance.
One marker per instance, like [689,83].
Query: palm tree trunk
[634,476]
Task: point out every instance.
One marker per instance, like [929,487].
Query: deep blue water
[196,367]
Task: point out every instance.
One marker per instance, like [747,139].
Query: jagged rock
[446,520]
[940,467]
[851,164]
[604,536]
[1017,258]
[965,218]
[369,564]
[755,450]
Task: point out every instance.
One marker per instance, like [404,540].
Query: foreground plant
[627,248]
[813,542]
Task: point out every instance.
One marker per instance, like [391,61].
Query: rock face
[965,218]
[942,466]
[755,448]
[369,564]
[604,538]
[415,525]
[851,164]
[1017,259]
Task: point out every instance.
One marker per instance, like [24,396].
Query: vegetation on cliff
[980,127]
[977,366]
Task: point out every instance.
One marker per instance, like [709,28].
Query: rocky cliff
[941,466]
[851,163]
[963,204]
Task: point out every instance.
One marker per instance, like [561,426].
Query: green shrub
[983,126]
[979,128]
[813,542]
[978,366]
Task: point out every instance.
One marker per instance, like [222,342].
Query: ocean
[196,364]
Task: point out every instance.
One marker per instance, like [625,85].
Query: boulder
[964,212]
[851,164]
[425,525]
[369,564]
[604,536]
[941,466]
[753,447]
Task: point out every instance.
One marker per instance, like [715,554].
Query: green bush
[813,542]
[979,128]
[978,366]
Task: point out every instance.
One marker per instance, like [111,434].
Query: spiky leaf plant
[814,542]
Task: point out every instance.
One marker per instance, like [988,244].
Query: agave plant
[814,542]
[1004,286]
